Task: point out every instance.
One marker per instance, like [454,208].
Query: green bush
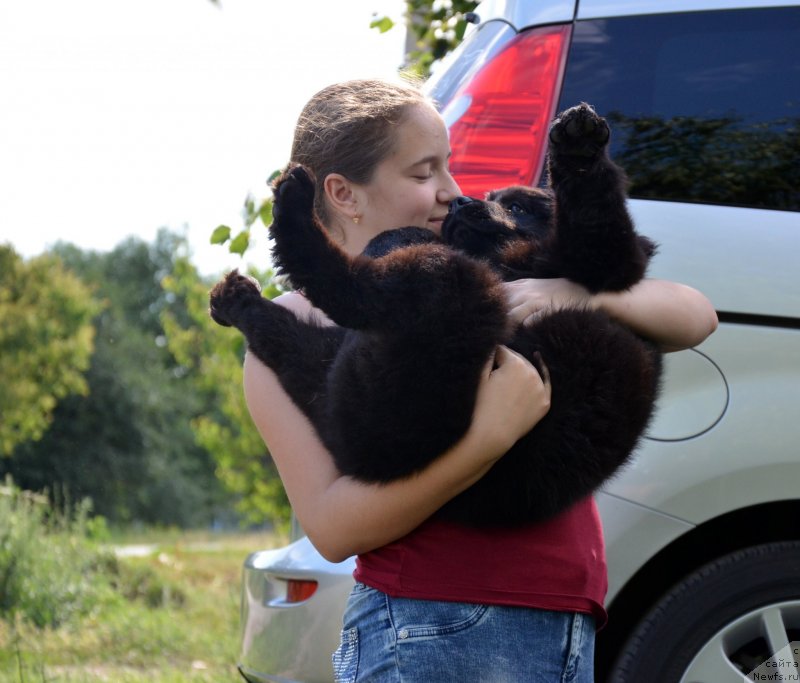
[50,568]
[142,583]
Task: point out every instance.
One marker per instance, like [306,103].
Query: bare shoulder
[295,302]
[302,308]
[260,383]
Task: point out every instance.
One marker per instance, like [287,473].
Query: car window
[705,106]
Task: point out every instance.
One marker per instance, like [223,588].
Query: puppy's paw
[230,296]
[293,192]
[579,132]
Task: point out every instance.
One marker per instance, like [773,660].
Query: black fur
[394,385]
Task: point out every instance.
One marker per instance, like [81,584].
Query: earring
[356,218]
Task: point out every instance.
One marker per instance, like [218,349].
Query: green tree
[213,356]
[435,27]
[128,444]
[45,343]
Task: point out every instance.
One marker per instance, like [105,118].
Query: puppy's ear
[492,195]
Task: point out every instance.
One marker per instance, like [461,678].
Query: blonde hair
[349,128]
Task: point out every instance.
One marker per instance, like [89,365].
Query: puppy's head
[480,228]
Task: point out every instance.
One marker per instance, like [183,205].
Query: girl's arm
[343,516]
[673,315]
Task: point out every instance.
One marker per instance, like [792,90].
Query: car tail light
[298,590]
[499,120]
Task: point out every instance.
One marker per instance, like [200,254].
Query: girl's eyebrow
[430,159]
[427,160]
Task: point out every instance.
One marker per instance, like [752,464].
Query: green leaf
[221,234]
[249,214]
[240,243]
[265,211]
[461,29]
[383,24]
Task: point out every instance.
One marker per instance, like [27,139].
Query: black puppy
[394,385]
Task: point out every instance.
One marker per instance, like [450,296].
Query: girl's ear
[341,195]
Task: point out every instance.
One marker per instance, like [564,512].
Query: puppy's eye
[515,208]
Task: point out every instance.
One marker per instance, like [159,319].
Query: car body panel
[691,479]
[598,9]
[521,14]
[735,271]
[280,639]
[633,534]
[693,398]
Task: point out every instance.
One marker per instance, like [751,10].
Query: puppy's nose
[458,202]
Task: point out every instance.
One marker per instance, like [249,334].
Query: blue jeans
[394,640]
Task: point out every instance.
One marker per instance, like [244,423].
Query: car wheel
[721,622]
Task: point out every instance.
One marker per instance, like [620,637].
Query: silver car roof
[523,13]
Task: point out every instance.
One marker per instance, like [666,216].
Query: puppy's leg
[595,243]
[330,278]
[299,353]
[231,297]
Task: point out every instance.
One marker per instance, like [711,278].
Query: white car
[703,529]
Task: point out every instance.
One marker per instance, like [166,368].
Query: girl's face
[412,186]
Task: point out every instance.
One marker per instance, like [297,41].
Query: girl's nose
[447,195]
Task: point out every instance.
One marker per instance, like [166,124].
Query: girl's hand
[528,298]
[512,398]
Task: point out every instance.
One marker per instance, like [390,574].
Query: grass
[168,617]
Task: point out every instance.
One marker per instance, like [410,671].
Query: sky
[118,117]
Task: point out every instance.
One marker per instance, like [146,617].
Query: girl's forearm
[352,517]
[671,314]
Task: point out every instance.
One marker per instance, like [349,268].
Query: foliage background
[117,387]
[45,343]
[121,409]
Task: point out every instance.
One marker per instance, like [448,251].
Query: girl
[435,601]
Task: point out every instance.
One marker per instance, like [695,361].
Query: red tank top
[555,565]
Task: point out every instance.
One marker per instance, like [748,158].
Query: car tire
[720,622]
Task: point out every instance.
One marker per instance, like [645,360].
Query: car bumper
[288,638]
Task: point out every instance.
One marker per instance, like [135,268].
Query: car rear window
[704,106]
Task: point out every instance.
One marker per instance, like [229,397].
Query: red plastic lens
[299,591]
[499,140]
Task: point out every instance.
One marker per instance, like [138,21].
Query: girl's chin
[435,226]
